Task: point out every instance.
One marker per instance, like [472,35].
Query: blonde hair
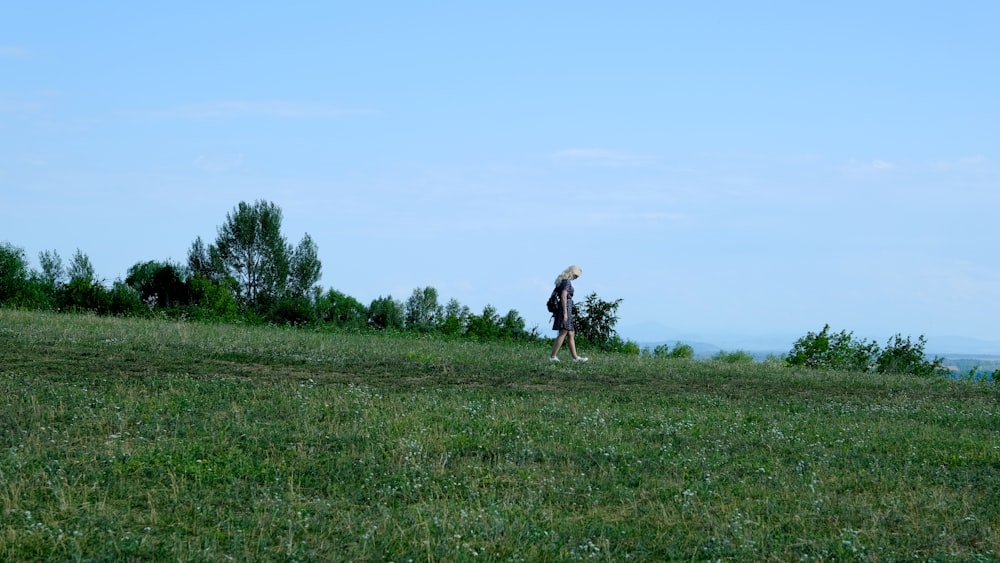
[568,273]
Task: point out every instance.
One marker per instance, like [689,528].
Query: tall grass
[139,439]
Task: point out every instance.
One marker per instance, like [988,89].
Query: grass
[127,439]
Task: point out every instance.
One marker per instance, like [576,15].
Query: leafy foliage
[842,351]
[680,351]
[385,313]
[422,312]
[13,273]
[341,310]
[833,351]
[737,357]
[252,250]
[905,356]
[595,320]
[456,318]
[160,283]
[304,269]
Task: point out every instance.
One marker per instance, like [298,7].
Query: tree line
[251,273]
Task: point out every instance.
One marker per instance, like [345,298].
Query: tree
[341,310]
[160,283]
[595,320]
[304,268]
[83,292]
[456,317]
[13,274]
[80,268]
[252,250]
[53,272]
[202,262]
[485,326]
[385,313]
[512,326]
[422,312]
[271,279]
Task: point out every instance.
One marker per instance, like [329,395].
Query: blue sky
[725,168]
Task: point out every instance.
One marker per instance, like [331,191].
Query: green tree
[213,301]
[341,310]
[422,311]
[271,278]
[53,273]
[162,284]
[252,250]
[485,326]
[512,326]
[80,269]
[595,320]
[204,261]
[456,317]
[305,268]
[13,274]
[124,300]
[83,292]
[385,313]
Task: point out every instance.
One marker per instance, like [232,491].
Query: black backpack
[553,303]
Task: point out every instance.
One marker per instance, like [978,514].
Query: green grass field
[130,439]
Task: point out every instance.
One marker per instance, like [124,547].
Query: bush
[842,351]
[905,356]
[737,357]
[680,351]
[833,351]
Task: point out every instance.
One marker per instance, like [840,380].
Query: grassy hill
[159,440]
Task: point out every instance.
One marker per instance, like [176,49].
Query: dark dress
[558,323]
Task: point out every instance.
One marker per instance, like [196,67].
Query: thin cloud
[604,158]
[240,109]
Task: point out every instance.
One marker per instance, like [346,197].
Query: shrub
[680,351]
[905,356]
[833,351]
[737,357]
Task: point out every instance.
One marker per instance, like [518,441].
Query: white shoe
[580,359]
[553,359]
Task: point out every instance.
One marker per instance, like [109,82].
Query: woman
[564,316]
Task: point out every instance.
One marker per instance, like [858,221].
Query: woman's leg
[572,344]
[558,344]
